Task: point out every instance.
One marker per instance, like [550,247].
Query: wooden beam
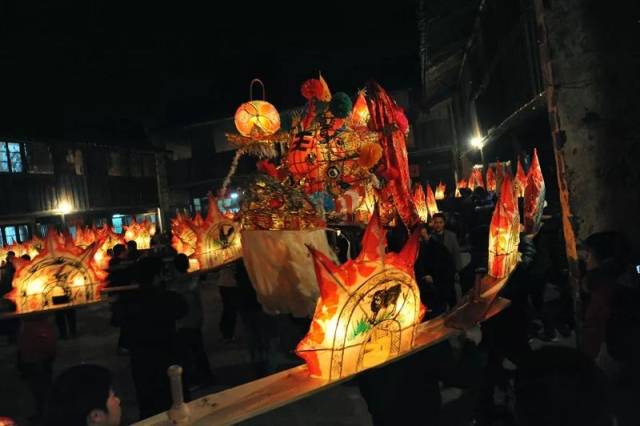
[263,395]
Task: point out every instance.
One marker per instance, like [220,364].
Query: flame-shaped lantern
[368,308]
[31,248]
[491,180]
[500,173]
[462,183]
[475,179]
[457,194]
[431,201]
[106,240]
[84,237]
[209,242]
[420,202]
[138,232]
[360,112]
[440,190]
[520,181]
[504,233]
[60,273]
[534,193]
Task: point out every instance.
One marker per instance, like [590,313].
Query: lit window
[116,221]
[10,157]
[23,233]
[72,231]
[10,234]
[43,229]
[197,206]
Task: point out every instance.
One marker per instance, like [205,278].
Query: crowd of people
[160,324]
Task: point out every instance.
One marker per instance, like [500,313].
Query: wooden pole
[179,412]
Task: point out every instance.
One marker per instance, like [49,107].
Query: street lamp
[64,208]
[477,142]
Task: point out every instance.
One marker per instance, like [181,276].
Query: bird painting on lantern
[368,308]
[210,242]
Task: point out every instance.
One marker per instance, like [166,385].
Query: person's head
[25,257]
[608,248]
[10,255]
[561,386]
[132,246]
[439,222]
[83,395]
[181,263]
[119,250]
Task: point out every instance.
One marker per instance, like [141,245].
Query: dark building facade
[44,183]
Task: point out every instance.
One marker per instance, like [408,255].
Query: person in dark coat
[152,317]
[435,274]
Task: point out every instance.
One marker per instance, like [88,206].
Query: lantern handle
[256,80]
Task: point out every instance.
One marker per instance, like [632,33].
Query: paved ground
[97,341]
[341,405]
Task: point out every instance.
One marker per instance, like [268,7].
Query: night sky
[112,70]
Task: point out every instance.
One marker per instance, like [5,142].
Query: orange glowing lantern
[61,273]
[106,240]
[491,180]
[440,191]
[307,160]
[255,119]
[475,180]
[500,172]
[431,201]
[534,193]
[210,242]
[360,112]
[84,237]
[462,183]
[521,180]
[138,232]
[504,233]
[368,308]
[31,248]
[420,201]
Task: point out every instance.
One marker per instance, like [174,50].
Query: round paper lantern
[257,118]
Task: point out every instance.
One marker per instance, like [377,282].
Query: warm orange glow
[440,191]
[520,181]
[84,237]
[31,248]
[491,180]
[254,119]
[209,242]
[504,233]
[431,201]
[60,269]
[475,179]
[138,232]
[106,239]
[534,194]
[420,202]
[368,308]
[360,112]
